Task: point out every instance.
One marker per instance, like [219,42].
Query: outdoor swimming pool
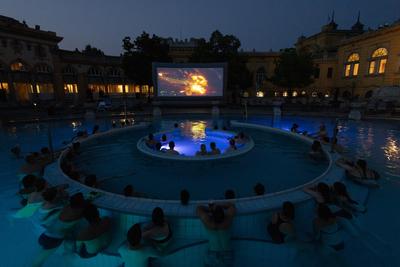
[376,141]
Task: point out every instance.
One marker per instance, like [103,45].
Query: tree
[224,48]
[139,54]
[92,51]
[293,69]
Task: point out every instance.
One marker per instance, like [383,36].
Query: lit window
[45,88]
[355,69]
[18,66]
[303,92]
[382,65]
[347,70]
[352,65]
[371,67]
[4,86]
[260,94]
[294,93]
[71,88]
[137,89]
[378,61]
[285,94]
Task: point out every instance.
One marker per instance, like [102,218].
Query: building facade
[349,63]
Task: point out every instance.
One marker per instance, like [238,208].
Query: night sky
[259,24]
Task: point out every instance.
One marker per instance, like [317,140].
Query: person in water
[321,193]
[295,128]
[185,197]
[158,147]
[326,230]
[150,142]
[281,228]
[217,220]
[158,231]
[202,151]
[171,149]
[164,138]
[55,233]
[259,189]
[232,146]
[214,149]
[357,171]
[133,252]
[316,151]
[96,236]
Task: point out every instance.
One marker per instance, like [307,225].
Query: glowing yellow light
[260,94]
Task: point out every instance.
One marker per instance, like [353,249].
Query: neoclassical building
[349,62]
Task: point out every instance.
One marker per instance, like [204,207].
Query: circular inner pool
[277,161]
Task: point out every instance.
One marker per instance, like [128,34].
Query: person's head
[171,145]
[40,184]
[157,216]
[28,181]
[340,189]
[45,151]
[164,138]
[288,210]
[77,201]
[176,125]
[259,189]
[185,196]
[324,212]
[324,190]
[95,128]
[151,136]
[50,194]
[213,146]
[232,142]
[128,191]
[218,214]
[316,146]
[30,159]
[158,146]
[203,148]
[91,180]
[91,214]
[134,235]
[230,194]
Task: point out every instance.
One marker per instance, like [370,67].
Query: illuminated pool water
[277,161]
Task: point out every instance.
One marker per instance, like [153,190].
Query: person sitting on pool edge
[171,149]
[281,227]
[158,231]
[232,146]
[133,252]
[214,149]
[202,151]
[359,172]
[150,142]
[217,220]
[96,236]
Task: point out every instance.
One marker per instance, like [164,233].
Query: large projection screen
[189,80]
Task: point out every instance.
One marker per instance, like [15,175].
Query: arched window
[93,71]
[352,65]
[43,68]
[377,64]
[69,70]
[18,66]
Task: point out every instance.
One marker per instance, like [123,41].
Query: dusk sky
[259,24]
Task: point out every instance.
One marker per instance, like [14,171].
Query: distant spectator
[259,189]
[185,196]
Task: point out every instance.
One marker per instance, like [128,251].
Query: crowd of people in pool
[158,145]
[76,221]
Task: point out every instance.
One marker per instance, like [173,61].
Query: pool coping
[144,206]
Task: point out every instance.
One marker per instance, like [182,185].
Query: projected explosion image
[188,82]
